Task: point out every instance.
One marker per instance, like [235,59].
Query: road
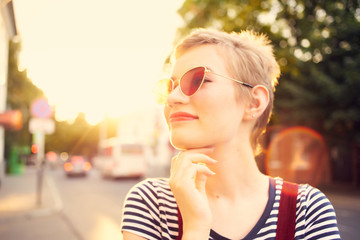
[346,202]
[92,205]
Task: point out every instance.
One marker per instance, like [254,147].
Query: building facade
[7,32]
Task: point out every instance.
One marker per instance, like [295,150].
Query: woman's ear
[259,100]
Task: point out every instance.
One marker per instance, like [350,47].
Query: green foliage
[20,93]
[317,46]
[329,68]
[221,14]
[77,138]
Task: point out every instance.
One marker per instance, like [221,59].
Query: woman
[217,104]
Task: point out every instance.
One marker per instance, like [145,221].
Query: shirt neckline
[262,220]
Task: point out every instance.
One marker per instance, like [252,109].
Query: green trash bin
[16,161]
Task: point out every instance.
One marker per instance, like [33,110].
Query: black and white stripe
[150,211]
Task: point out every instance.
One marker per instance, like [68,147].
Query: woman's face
[214,114]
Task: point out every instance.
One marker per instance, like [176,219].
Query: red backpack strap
[180,223]
[287,212]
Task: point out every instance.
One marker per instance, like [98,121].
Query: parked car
[77,166]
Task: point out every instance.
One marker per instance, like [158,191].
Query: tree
[77,138]
[20,93]
[323,84]
[317,46]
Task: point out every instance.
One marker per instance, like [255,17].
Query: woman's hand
[188,176]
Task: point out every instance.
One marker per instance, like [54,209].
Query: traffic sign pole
[40,125]
[39,140]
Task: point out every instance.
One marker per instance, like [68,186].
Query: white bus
[118,159]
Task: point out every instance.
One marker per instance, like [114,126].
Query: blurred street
[89,208]
[72,208]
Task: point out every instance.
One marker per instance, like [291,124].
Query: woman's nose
[176,97]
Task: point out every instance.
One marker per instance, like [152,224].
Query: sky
[101,58]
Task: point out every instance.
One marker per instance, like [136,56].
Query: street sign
[40,108]
[42,125]
[39,125]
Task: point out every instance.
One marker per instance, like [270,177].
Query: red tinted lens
[191,81]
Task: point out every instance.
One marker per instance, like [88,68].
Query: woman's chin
[184,144]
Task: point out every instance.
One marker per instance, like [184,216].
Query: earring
[253,115]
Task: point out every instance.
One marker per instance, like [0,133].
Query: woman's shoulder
[154,183]
[150,210]
[306,192]
[155,189]
[311,202]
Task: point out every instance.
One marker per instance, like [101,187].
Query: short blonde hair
[250,59]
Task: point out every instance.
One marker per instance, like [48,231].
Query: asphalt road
[92,205]
[346,202]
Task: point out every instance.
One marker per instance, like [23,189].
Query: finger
[202,173]
[186,160]
[195,157]
[196,174]
[191,171]
[202,169]
[173,162]
[200,183]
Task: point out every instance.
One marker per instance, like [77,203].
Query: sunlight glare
[102,59]
[106,229]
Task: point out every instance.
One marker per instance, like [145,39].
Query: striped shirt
[150,211]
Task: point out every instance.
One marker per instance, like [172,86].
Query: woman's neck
[237,173]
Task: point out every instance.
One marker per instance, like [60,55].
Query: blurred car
[122,160]
[77,166]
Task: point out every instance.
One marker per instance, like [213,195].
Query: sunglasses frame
[206,70]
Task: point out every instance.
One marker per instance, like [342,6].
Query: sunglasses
[189,83]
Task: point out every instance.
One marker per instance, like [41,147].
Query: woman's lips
[181,116]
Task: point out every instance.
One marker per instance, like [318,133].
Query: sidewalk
[22,218]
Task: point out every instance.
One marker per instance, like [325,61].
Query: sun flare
[101,59]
